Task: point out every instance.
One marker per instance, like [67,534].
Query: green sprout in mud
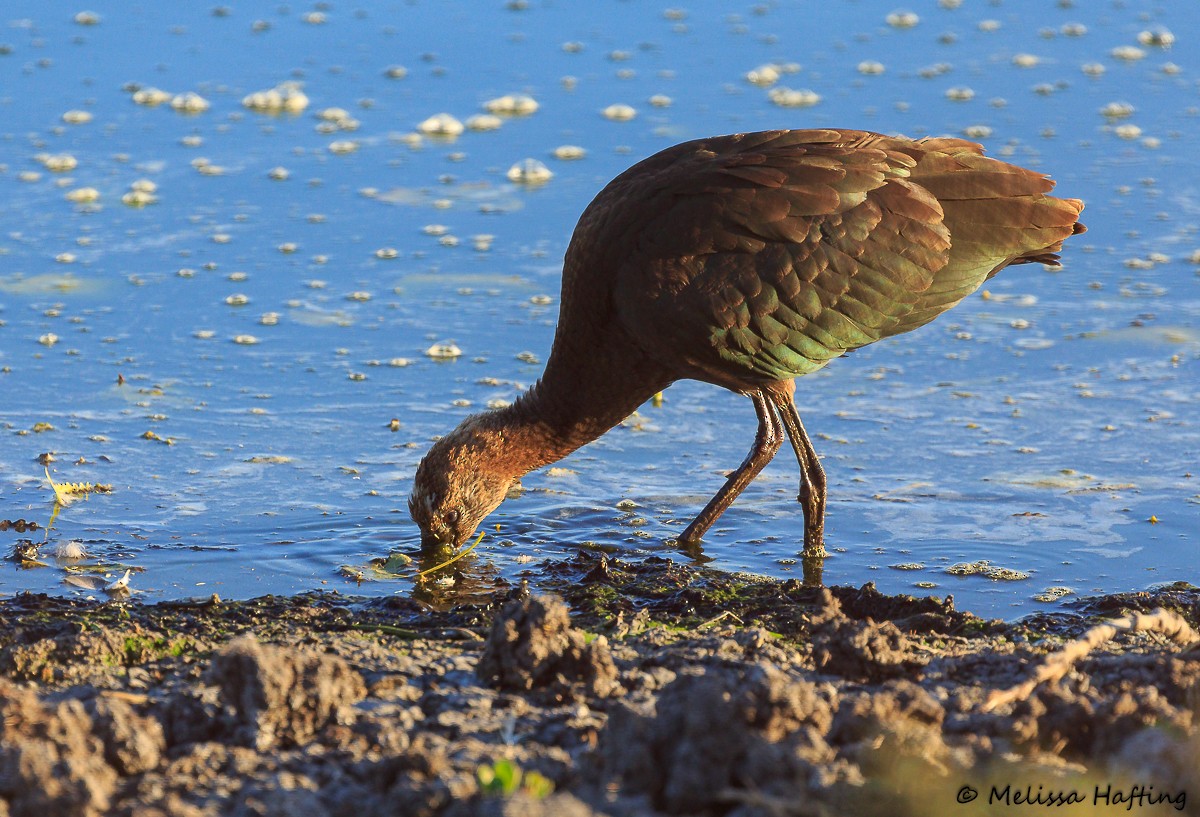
[505,778]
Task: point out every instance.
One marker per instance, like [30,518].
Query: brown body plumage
[746,261]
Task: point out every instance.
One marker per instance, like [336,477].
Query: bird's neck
[579,397]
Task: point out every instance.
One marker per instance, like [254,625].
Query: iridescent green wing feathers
[763,256]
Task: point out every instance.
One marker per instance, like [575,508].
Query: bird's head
[456,486]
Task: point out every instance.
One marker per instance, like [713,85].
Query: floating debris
[82,195]
[619,112]
[245,340]
[870,67]
[19,525]
[484,122]
[988,570]
[529,171]
[190,102]
[1117,110]
[119,586]
[902,19]
[441,124]
[764,76]
[67,492]
[660,101]
[1052,594]
[395,72]
[87,18]
[511,105]
[443,351]
[343,146]
[70,551]
[141,193]
[789,98]
[57,162]
[569,152]
[1159,38]
[77,117]
[960,94]
[287,97]
[1127,53]
[48,339]
[151,97]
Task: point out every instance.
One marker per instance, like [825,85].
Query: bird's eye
[452,517]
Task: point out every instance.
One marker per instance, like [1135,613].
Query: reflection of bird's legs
[812,476]
[766,442]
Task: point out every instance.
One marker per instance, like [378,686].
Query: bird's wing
[997,213]
[764,256]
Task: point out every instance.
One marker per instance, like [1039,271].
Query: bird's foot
[814,545]
[691,545]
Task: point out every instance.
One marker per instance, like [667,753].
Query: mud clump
[710,735]
[64,656]
[858,649]
[277,697]
[133,743]
[532,645]
[51,761]
[796,704]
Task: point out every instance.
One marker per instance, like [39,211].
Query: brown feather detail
[1018,212]
[982,184]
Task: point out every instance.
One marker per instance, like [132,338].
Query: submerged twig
[1057,665]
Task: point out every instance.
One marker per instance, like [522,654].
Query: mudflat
[599,687]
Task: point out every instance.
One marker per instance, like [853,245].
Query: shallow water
[265,331]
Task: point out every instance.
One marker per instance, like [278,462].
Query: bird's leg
[812,477]
[766,442]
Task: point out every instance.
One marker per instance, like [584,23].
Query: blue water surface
[231,357]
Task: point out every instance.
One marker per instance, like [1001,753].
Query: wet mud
[599,687]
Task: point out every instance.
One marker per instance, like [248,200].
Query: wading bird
[746,261]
